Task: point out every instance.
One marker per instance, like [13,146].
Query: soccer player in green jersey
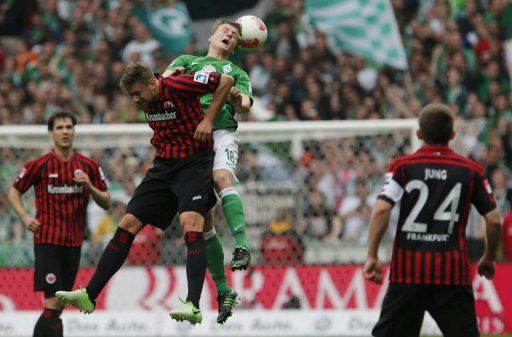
[224,39]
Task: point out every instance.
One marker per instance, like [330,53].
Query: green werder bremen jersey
[191,64]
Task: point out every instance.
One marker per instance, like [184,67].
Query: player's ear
[419,134]
[153,83]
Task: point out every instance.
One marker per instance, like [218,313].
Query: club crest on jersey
[51,278]
[201,77]
[168,105]
[227,68]
[208,69]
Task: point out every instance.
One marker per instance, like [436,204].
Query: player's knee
[191,222]
[208,222]
[222,179]
[131,224]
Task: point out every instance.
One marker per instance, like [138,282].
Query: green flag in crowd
[171,26]
[363,27]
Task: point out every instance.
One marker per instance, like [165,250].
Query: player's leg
[226,157]
[111,260]
[402,311]
[192,224]
[48,278]
[114,255]
[70,263]
[215,255]
[193,187]
[227,298]
[149,203]
[453,309]
[49,323]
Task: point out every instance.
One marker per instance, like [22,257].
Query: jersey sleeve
[193,85]
[482,197]
[98,178]
[393,188]
[243,84]
[28,176]
[180,61]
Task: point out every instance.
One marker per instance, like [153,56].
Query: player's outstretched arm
[378,225]
[493,227]
[14,197]
[205,128]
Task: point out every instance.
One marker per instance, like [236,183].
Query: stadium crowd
[68,55]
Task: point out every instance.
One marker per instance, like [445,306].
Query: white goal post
[35,136]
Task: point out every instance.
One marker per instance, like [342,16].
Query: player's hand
[174,72]
[373,270]
[486,268]
[204,130]
[235,97]
[82,178]
[31,223]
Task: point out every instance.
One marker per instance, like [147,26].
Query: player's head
[225,36]
[436,124]
[139,82]
[61,127]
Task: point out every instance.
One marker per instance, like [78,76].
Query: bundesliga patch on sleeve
[21,174]
[201,77]
[487,186]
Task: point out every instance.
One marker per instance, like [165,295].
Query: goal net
[308,189]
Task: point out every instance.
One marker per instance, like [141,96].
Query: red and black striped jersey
[61,204]
[177,112]
[436,188]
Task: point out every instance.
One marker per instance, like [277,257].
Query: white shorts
[225,145]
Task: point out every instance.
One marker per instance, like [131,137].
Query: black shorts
[56,268]
[404,306]
[174,185]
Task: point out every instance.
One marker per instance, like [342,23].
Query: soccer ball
[254,32]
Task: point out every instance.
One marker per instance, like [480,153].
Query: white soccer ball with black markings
[254,32]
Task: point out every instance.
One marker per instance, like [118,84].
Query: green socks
[216,262]
[234,213]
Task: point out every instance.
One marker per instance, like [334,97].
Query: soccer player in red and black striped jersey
[430,269]
[63,180]
[180,180]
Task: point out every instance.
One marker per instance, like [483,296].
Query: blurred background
[308,194]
